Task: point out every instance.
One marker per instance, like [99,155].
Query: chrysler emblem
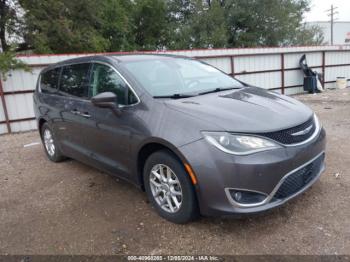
[302,132]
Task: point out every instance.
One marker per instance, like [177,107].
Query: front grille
[286,136]
[300,178]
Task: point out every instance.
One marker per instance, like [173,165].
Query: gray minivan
[195,139]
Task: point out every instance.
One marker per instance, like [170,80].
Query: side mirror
[105,99]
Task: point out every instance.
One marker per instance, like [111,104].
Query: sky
[319,7]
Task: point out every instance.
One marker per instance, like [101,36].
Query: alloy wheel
[166,188]
[49,143]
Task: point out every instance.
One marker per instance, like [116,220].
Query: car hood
[249,109]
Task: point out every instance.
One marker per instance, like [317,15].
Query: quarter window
[105,79]
[74,80]
[49,81]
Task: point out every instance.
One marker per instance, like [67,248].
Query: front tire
[50,144]
[169,188]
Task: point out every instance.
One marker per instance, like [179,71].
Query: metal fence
[271,68]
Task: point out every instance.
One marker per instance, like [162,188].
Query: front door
[108,136]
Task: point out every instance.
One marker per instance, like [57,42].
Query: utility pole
[331,13]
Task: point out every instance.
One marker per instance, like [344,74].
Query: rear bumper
[265,172]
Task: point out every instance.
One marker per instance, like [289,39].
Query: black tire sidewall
[189,207]
[57,157]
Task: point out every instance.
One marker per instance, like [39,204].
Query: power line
[331,13]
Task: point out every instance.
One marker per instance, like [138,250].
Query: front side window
[74,80]
[169,76]
[49,81]
[105,79]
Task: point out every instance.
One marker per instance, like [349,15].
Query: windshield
[170,76]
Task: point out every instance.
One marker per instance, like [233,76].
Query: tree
[197,24]
[63,26]
[179,13]
[208,25]
[308,35]
[117,24]
[150,24]
[238,23]
[10,23]
[8,62]
[264,22]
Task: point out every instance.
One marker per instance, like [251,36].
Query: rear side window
[74,80]
[49,81]
[105,79]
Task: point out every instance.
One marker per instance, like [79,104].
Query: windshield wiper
[179,95]
[219,89]
[174,96]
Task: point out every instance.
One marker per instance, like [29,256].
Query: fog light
[238,196]
[247,197]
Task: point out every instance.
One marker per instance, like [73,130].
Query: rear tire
[169,188]
[50,144]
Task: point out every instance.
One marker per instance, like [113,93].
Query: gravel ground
[70,208]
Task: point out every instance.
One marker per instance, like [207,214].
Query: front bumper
[264,172]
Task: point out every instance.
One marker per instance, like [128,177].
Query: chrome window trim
[273,192]
[124,79]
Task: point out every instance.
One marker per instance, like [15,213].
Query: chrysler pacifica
[195,139]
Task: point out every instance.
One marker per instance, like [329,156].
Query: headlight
[239,144]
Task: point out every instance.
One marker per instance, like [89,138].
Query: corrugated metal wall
[271,68]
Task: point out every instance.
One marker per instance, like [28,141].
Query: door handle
[86,114]
[75,112]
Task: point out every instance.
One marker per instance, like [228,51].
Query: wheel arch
[41,122]
[149,148]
